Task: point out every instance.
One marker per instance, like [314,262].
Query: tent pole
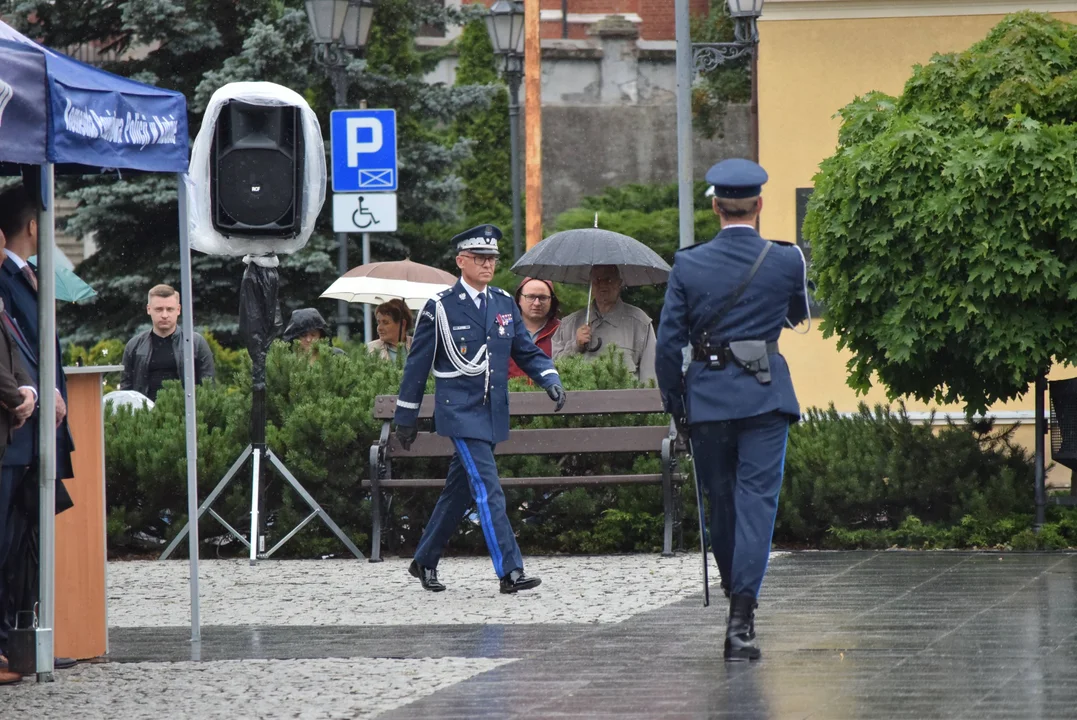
[191,419]
[47,366]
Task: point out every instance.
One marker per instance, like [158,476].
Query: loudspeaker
[256,170]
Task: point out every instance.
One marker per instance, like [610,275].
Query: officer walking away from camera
[467,335]
[728,300]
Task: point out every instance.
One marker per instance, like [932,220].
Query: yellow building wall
[808,70]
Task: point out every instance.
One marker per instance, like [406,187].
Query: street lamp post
[703,58]
[340,28]
[505,25]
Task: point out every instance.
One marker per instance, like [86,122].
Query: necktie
[30,276]
[482,304]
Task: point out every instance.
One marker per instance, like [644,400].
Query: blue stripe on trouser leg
[477,457]
[445,519]
[761,443]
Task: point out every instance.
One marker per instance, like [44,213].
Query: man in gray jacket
[156,355]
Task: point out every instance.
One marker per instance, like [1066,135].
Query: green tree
[729,83]
[196,46]
[943,229]
[486,173]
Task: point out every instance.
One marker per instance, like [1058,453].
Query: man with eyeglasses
[466,336]
[609,321]
[538,308]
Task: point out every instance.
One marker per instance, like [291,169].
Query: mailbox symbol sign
[363,149]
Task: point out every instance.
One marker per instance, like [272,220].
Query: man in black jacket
[156,355]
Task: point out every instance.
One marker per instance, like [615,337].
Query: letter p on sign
[359,142]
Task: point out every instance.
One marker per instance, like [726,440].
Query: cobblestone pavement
[237,689]
[577,589]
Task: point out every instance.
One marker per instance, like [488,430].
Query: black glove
[405,435]
[557,394]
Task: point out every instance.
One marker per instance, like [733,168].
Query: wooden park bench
[656,439]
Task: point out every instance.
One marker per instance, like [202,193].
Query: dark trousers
[740,464]
[11,479]
[472,478]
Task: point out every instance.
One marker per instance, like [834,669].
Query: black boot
[740,631]
[427,576]
[516,581]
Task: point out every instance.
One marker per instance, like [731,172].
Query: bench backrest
[584,402]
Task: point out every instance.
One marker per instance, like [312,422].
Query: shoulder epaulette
[445,293]
[503,292]
[695,246]
[786,243]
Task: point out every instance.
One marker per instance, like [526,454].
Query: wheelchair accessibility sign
[363,150]
[364,212]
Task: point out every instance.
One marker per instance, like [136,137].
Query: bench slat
[530,481]
[584,402]
[548,441]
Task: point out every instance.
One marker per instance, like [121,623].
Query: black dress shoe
[427,576]
[740,632]
[517,580]
[63,663]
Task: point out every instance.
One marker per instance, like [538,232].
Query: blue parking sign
[363,150]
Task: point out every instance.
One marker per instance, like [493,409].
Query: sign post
[364,160]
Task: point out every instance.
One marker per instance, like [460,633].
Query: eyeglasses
[481,260]
[540,299]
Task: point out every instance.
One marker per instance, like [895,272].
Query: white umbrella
[375,283]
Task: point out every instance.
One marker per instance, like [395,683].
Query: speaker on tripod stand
[257,184]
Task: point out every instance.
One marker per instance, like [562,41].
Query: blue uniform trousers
[740,464]
[472,477]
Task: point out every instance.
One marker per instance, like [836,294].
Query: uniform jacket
[544,341]
[704,277]
[136,360]
[20,300]
[460,411]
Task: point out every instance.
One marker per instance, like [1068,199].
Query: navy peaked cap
[736,178]
[481,240]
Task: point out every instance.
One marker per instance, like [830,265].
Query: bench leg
[375,505]
[667,497]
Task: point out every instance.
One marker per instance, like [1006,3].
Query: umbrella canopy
[568,257]
[54,109]
[69,286]
[375,283]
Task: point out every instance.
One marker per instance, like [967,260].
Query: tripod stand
[258,450]
[259,322]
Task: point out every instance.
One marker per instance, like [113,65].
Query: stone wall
[609,115]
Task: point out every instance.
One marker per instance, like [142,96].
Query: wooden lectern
[81,625]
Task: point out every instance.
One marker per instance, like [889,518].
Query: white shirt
[474,294]
[17,260]
[750,227]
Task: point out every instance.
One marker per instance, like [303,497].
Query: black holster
[752,356]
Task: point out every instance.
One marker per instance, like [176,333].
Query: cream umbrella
[375,283]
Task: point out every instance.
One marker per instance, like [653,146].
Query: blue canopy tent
[60,115]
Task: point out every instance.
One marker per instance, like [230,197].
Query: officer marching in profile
[466,335]
[728,300]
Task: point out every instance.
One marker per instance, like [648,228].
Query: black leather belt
[701,354]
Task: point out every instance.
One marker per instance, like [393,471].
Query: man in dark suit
[17,401]
[18,291]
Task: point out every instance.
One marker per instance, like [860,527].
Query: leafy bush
[876,469]
[872,480]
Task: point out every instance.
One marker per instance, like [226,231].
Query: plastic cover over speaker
[202,234]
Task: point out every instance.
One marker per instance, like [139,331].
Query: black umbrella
[568,257]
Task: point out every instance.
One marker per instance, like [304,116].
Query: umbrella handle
[597,346]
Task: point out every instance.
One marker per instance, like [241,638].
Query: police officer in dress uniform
[466,335]
[735,398]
